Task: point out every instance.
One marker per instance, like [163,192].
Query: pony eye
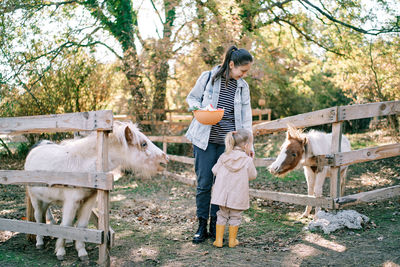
[294,154]
[143,145]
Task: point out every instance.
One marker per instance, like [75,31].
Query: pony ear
[304,141]
[292,132]
[128,135]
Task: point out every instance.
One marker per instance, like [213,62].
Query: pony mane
[87,144]
[119,132]
[294,132]
[318,142]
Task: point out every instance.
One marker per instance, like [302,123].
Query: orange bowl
[208,117]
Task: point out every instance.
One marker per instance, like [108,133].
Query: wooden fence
[335,116]
[100,121]
[178,119]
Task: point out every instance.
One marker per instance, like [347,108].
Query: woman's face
[238,72]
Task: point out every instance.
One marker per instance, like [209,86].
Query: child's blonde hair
[240,138]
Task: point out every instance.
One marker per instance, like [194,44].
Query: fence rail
[83,121]
[177,119]
[337,159]
[73,233]
[93,180]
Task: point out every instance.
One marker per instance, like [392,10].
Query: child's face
[248,147]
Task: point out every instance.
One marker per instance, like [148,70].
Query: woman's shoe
[212,229]
[201,234]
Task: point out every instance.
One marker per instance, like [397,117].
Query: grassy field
[154,220]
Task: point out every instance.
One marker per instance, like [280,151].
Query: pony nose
[273,168]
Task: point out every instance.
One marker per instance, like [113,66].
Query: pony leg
[343,175]
[318,187]
[50,218]
[82,222]
[310,177]
[39,213]
[69,212]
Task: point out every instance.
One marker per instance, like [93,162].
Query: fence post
[103,200]
[335,148]
[164,145]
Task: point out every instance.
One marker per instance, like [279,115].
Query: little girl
[233,171]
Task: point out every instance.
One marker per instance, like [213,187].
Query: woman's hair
[239,138]
[239,57]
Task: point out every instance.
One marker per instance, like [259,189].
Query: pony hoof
[40,247]
[84,258]
[60,257]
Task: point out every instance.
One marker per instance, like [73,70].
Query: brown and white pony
[127,147]
[298,147]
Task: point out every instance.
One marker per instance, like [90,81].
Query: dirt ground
[154,220]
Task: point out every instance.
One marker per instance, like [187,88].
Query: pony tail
[229,142]
[225,65]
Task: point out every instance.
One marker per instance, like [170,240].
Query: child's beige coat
[233,172]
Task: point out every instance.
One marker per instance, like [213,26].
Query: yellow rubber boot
[233,242]
[219,235]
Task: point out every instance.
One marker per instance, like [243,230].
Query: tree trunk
[162,68]
[139,102]
[160,86]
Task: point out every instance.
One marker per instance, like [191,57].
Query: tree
[76,83]
[118,18]
[205,28]
[369,73]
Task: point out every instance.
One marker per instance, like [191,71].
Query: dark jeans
[204,161]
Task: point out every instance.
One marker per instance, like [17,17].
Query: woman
[223,87]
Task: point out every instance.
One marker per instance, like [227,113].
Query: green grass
[363,143]
[20,257]
[267,221]
[141,188]
[264,175]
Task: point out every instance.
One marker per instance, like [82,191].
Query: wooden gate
[100,121]
[335,116]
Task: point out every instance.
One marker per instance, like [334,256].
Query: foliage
[369,74]
[76,83]
[308,55]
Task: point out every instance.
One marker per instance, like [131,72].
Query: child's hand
[249,150]
[251,154]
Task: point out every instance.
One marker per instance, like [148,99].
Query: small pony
[127,147]
[298,147]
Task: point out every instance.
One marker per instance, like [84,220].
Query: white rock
[329,222]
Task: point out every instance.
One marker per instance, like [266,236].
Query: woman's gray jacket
[202,95]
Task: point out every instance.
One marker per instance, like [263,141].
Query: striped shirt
[226,102]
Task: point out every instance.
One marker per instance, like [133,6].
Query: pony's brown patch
[291,153]
[294,152]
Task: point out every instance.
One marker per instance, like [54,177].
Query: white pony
[127,147]
[300,146]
